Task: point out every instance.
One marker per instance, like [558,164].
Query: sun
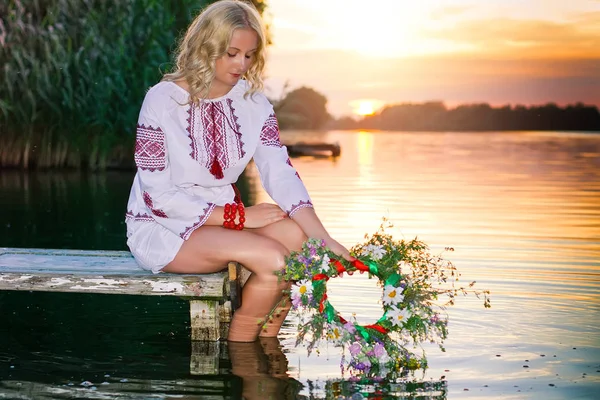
[365,107]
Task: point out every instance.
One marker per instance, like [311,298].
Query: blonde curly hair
[207,38]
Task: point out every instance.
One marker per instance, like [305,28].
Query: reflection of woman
[263,368]
[197,131]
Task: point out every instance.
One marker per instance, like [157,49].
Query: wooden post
[235,286]
[225,315]
[204,320]
[205,358]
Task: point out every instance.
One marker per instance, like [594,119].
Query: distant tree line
[435,116]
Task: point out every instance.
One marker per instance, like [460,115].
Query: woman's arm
[310,223]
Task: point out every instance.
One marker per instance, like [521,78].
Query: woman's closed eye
[248,56]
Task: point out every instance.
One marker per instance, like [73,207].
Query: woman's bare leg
[209,249]
[262,251]
[288,233]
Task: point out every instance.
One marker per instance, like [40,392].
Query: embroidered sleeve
[269,135]
[165,203]
[278,176]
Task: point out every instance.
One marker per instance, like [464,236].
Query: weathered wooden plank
[93,261]
[87,271]
[199,286]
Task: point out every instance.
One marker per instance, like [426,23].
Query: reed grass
[73,75]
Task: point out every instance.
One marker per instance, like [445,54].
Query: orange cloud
[503,37]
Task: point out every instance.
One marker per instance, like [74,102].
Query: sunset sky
[363,54]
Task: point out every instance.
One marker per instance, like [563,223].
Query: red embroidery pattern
[138,216]
[185,235]
[150,151]
[191,120]
[215,138]
[150,205]
[236,129]
[213,122]
[289,162]
[269,135]
[300,205]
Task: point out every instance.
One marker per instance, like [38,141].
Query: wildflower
[325,264]
[301,289]
[364,366]
[392,295]
[349,326]
[355,348]
[334,333]
[296,301]
[398,316]
[374,252]
[379,350]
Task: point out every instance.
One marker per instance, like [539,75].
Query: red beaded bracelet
[230,212]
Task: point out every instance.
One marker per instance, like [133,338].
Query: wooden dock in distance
[320,149]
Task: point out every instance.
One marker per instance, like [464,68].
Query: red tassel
[216,170]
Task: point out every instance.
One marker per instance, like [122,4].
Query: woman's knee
[267,259]
[296,235]
[287,232]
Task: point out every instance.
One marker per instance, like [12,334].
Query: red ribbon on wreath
[339,267]
[378,328]
[359,265]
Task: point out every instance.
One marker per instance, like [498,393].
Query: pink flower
[355,349]
[349,327]
[379,350]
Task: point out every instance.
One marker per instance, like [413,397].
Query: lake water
[520,209]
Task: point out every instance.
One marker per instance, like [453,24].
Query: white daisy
[397,316]
[392,295]
[325,264]
[334,332]
[302,288]
[374,252]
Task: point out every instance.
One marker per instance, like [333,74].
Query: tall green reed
[73,75]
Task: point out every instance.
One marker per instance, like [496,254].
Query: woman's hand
[338,249]
[263,214]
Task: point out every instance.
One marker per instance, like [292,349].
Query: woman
[197,130]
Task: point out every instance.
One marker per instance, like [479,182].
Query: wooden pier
[320,149]
[212,297]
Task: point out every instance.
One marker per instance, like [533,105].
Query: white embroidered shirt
[188,156]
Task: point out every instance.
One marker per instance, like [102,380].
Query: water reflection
[522,211]
[263,367]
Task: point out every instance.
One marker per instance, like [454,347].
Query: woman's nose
[243,62]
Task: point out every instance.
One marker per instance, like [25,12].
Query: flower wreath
[412,279]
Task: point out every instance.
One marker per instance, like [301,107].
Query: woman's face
[232,65]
